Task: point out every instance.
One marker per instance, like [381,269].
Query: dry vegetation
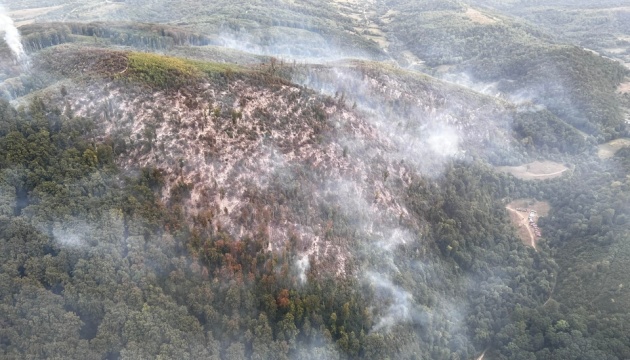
[229,156]
[229,140]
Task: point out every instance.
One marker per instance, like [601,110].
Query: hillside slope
[514,59]
[166,191]
[244,165]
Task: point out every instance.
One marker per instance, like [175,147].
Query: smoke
[294,44]
[393,133]
[393,304]
[444,142]
[73,233]
[303,264]
[465,80]
[12,36]
[399,301]
[414,123]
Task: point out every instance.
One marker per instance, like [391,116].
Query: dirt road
[549,174]
[483,354]
[524,222]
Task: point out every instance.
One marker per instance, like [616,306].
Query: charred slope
[163,206]
[255,205]
[217,132]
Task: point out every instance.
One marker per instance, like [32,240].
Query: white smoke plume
[303,264]
[12,36]
[400,302]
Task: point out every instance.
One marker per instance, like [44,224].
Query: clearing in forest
[624,88]
[608,150]
[524,214]
[537,170]
[478,17]
[363,16]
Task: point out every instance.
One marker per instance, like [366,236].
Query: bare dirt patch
[524,214]
[389,16]
[624,88]
[479,18]
[608,150]
[537,170]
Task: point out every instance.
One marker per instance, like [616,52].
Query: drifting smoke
[12,36]
[465,80]
[399,300]
[303,264]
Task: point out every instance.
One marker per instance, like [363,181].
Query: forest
[264,180]
[123,275]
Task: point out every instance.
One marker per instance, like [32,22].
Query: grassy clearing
[170,72]
[520,219]
[609,149]
[537,170]
[479,18]
[160,71]
[28,16]
[212,69]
